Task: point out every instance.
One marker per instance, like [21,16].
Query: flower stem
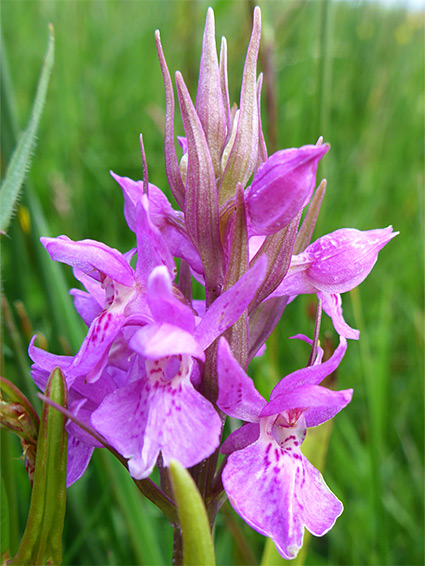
[177,547]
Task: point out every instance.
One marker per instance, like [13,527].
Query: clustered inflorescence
[158,371]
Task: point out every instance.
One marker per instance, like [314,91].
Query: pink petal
[344,258]
[164,305]
[79,455]
[86,306]
[318,404]
[311,375]
[237,396]
[143,418]
[241,438]
[281,187]
[156,341]
[332,305]
[92,355]
[320,507]
[229,306]
[90,256]
[261,483]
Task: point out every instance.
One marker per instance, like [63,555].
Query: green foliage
[352,73]
[19,163]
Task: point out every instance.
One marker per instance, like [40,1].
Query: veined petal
[122,419]
[237,395]
[192,428]
[311,375]
[261,483]
[176,420]
[94,258]
[91,358]
[320,507]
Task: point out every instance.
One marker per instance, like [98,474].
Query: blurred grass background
[350,71]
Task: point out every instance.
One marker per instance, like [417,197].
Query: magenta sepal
[311,375]
[91,257]
[168,221]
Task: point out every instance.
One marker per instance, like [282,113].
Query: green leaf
[21,157]
[198,547]
[42,539]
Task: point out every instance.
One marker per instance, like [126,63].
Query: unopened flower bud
[282,185]
[343,259]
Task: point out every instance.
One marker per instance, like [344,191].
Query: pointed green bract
[42,539]
[19,163]
[198,548]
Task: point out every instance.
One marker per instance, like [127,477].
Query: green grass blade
[134,508]
[19,163]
